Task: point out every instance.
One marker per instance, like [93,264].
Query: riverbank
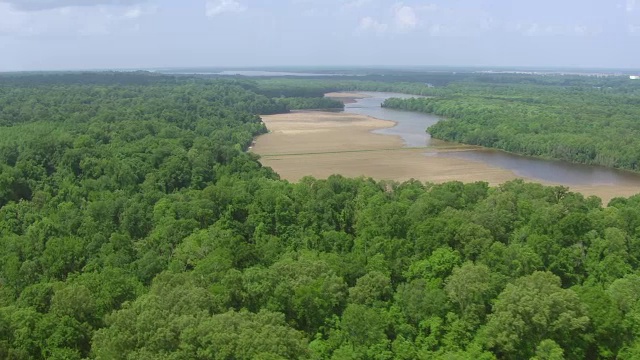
[346,97]
[324,143]
[320,144]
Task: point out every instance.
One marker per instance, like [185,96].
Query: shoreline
[352,146]
[470,147]
[321,144]
[346,97]
[302,144]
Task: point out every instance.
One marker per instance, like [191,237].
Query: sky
[128,34]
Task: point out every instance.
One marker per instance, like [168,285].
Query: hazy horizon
[45,35]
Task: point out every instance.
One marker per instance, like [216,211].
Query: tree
[469,285]
[363,326]
[548,350]
[371,289]
[243,335]
[532,309]
[606,319]
[420,299]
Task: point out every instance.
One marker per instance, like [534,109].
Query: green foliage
[175,321]
[533,309]
[133,225]
[594,123]
[319,103]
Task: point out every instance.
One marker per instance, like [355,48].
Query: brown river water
[411,126]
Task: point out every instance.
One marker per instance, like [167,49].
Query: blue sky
[91,34]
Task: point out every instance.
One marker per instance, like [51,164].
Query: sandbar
[321,144]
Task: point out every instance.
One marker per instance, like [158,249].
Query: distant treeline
[317,88]
[454,84]
[86,78]
[446,77]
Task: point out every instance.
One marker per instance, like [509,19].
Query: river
[411,127]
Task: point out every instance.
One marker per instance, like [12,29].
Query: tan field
[320,144]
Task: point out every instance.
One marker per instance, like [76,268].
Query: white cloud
[71,20]
[405,17]
[436,30]
[459,21]
[217,7]
[38,5]
[312,12]
[370,24]
[534,29]
[352,4]
[581,30]
[434,20]
[12,20]
[634,30]
[133,13]
[631,5]
[428,7]
[537,29]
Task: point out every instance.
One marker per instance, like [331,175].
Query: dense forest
[134,225]
[584,124]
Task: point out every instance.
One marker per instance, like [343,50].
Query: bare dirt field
[320,144]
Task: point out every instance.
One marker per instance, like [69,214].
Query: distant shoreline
[346,97]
